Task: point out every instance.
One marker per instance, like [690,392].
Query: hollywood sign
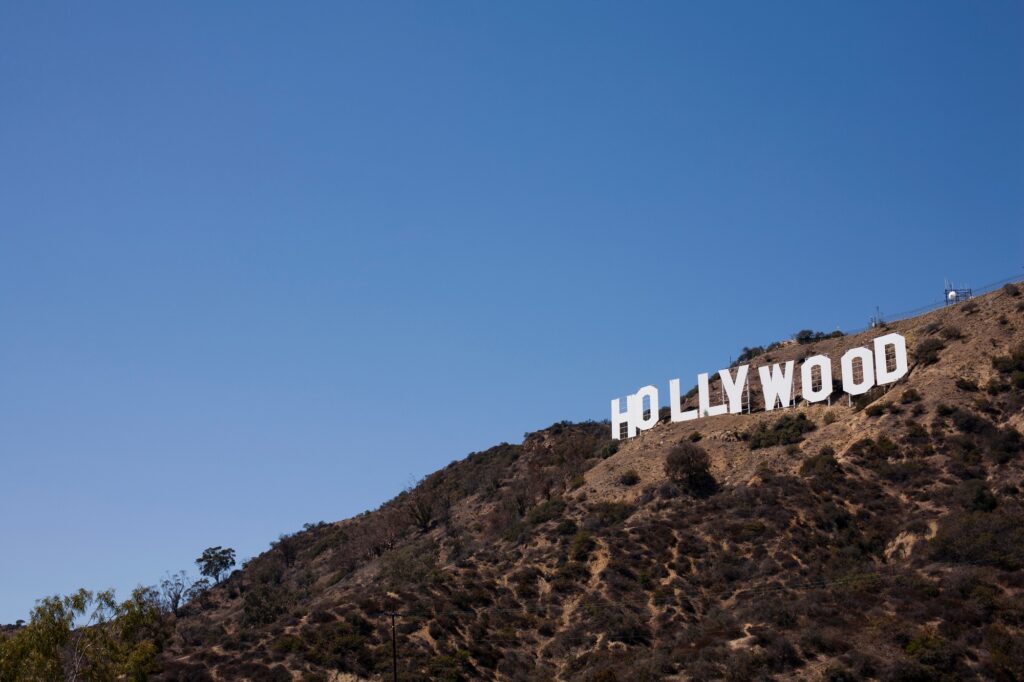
[862,369]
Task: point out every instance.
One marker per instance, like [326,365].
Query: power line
[896,317]
[979,291]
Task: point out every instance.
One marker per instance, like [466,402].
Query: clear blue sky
[267,264]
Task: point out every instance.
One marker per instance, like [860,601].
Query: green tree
[288,545]
[87,636]
[688,465]
[215,562]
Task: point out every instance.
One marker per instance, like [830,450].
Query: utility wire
[935,305]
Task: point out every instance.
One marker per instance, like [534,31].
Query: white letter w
[776,383]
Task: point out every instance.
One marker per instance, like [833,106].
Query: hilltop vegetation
[878,538]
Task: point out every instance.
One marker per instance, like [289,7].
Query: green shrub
[993,538]
[546,511]
[974,495]
[412,565]
[608,449]
[917,437]
[884,458]
[1008,364]
[951,333]
[263,604]
[581,546]
[566,527]
[910,396]
[342,644]
[927,352]
[932,650]
[1004,444]
[836,672]
[783,431]
[875,410]
[985,405]
[605,514]
[831,517]
[688,465]
[287,644]
[968,422]
[629,477]
[748,354]
[822,465]
[868,450]
[965,384]
[745,531]
[1011,290]
[809,336]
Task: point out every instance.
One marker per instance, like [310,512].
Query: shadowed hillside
[882,538]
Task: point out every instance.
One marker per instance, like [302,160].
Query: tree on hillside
[421,508]
[808,335]
[87,635]
[174,590]
[392,526]
[215,562]
[177,589]
[688,465]
[288,546]
[199,592]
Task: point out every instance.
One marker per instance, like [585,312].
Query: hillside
[880,539]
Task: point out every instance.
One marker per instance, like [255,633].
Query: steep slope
[882,538]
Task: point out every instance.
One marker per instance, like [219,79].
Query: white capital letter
[704,400]
[867,362]
[651,393]
[734,389]
[807,378]
[776,383]
[619,418]
[882,373]
[676,405]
